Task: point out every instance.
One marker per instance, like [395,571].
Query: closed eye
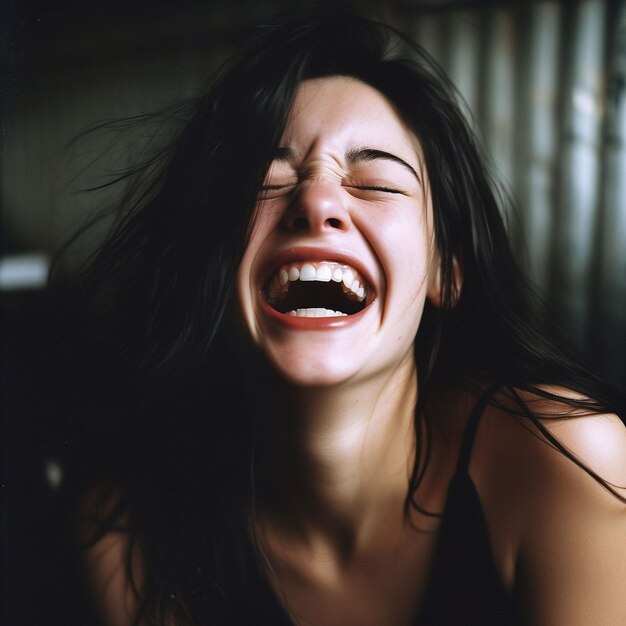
[373,188]
[380,188]
[271,190]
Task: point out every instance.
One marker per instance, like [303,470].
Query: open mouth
[317,289]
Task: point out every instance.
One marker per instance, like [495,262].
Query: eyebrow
[283,153]
[370,154]
[354,155]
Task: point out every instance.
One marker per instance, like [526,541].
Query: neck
[335,461]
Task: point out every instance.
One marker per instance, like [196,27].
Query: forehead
[342,112]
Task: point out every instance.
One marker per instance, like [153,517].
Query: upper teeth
[324,271]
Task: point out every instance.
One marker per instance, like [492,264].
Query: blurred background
[544,83]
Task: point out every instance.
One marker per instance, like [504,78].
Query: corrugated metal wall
[544,80]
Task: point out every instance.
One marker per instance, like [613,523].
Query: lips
[309,286]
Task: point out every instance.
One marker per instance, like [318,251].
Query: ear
[434,293]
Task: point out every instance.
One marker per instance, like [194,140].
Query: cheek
[259,241]
[265,220]
[406,253]
[262,225]
[406,246]
[244,309]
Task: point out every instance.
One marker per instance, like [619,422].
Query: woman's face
[341,255]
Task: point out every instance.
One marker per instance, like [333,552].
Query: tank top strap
[472,426]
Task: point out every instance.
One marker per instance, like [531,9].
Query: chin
[313,368]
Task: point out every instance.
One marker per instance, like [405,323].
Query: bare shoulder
[557,433]
[111,562]
[596,439]
[558,532]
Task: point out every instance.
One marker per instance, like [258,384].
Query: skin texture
[339,449]
[559,538]
[319,200]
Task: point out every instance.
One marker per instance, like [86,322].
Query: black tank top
[464,588]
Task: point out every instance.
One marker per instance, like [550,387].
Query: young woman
[323,395]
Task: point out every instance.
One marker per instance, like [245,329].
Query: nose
[317,208]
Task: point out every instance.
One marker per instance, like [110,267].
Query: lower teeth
[315,312]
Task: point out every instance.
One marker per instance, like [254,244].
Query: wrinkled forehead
[342,112]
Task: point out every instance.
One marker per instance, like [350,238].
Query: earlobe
[435,286]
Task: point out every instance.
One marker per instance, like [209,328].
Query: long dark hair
[166,437]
